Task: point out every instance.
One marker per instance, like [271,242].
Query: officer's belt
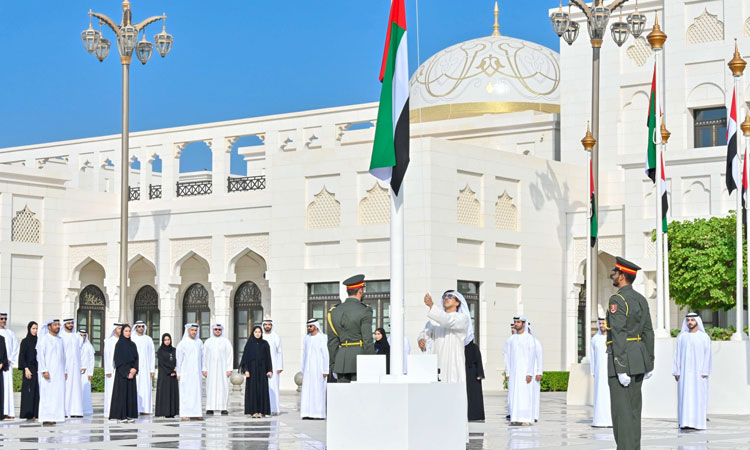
[637,338]
[352,344]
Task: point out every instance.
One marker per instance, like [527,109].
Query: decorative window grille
[26,227]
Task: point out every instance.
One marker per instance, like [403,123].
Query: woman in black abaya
[382,347]
[124,406]
[256,365]
[474,377]
[29,382]
[167,390]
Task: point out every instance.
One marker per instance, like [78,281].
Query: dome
[490,75]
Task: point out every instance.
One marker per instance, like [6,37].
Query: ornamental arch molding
[324,211]
[506,213]
[705,28]
[705,95]
[139,257]
[640,52]
[375,207]
[468,209]
[254,256]
[76,272]
[176,268]
[746,28]
[25,227]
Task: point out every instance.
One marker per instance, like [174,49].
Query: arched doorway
[146,308]
[91,306]
[195,309]
[248,311]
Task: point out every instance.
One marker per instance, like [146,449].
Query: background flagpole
[746,135]
[737,66]
[589,298]
[656,39]
[397,282]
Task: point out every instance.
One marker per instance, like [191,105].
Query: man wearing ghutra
[146,354]
[218,358]
[692,367]
[87,371]
[189,356]
[73,394]
[50,356]
[11,347]
[277,359]
[602,409]
[521,359]
[450,329]
[315,366]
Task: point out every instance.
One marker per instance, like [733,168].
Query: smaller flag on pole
[733,161]
[664,201]
[744,191]
[592,214]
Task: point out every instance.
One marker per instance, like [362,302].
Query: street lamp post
[597,17]
[127,42]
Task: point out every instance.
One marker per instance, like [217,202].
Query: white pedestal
[660,391]
[418,414]
[580,385]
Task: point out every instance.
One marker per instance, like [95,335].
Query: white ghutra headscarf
[697,318]
[189,326]
[463,308]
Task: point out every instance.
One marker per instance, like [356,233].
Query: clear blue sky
[231,59]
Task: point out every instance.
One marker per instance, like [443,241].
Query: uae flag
[733,161]
[390,151]
[653,128]
[744,192]
[592,214]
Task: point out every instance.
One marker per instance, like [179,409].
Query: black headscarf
[382,347]
[253,347]
[125,350]
[27,351]
[167,348]
[29,336]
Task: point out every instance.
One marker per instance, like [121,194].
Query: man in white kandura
[538,373]
[520,357]
[87,372]
[277,361]
[692,367]
[189,356]
[12,347]
[218,358]
[108,361]
[146,367]
[602,409]
[315,366]
[424,343]
[50,358]
[449,328]
[73,395]
[506,352]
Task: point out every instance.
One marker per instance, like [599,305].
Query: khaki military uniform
[350,334]
[630,350]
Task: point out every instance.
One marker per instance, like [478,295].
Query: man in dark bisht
[474,377]
[257,366]
[124,405]
[28,366]
[167,389]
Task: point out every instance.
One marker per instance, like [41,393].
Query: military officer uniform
[630,351]
[350,333]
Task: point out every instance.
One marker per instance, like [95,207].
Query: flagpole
[588,146]
[746,134]
[397,282]
[737,66]
[656,39]
[665,134]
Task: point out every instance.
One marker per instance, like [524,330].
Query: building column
[145,176]
[222,305]
[168,320]
[170,169]
[221,148]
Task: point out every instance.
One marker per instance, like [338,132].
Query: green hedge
[97,383]
[551,381]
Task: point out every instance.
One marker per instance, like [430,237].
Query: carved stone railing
[134,194]
[192,188]
[237,184]
[154,191]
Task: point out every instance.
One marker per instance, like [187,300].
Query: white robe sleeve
[15,347]
[594,358]
[676,369]
[323,348]
[151,356]
[180,356]
[532,357]
[539,357]
[207,348]
[506,356]
[280,353]
[41,356]
[108,362]
[706,369]
[228,356]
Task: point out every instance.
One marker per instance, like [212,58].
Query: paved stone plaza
[560,426]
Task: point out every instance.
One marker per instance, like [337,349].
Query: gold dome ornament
[737,64]
[496,26]
[588,141]
[656,37]
[665,134]
[745,126]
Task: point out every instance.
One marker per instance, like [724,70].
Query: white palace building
[496,197]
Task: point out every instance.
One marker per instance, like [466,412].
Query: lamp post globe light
[126,34]
[597,18]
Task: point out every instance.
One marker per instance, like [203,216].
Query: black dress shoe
[209,413]
[225,413]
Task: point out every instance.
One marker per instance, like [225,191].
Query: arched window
[195,309]
[247,312]
[146,308]
[91,306]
